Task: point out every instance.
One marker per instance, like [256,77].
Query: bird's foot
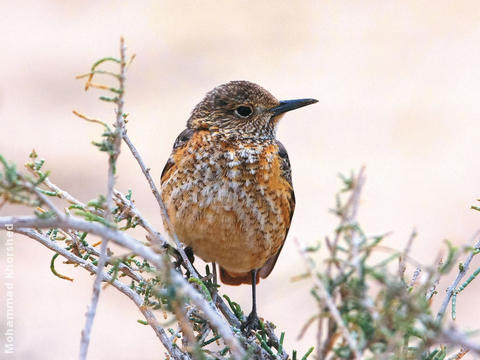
[189,252]
[252,323]
[179,261]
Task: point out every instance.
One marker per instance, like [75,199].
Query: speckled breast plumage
[231,201]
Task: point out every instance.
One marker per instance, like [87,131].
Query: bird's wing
[230,278]
[181,140]
[267,268]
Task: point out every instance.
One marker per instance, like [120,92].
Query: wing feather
[181,140]
[266,269]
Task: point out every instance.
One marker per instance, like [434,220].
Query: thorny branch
[347,217]
[327,299]
[112,163]
[136,298]
[129,206]
[354,320]
[452,288]
[163,209]
[136,247]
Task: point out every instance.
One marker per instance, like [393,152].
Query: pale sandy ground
[398,84]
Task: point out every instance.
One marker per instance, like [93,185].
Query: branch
[62,194]
[71,222]
[44,199]
[327,299]
[454,337]
[451,289]
[114,153]
[132,209]
[137,248]
[137,299]
[215,320]
[161,204]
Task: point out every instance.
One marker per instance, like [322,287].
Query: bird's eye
[244,111]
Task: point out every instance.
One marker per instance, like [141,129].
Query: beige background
[398,84]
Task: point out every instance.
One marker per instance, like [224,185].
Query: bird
[227,185]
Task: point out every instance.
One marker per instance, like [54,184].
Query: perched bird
[227,185]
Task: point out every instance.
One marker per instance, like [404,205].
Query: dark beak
[288,105]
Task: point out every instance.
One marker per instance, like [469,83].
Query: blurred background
[398,86]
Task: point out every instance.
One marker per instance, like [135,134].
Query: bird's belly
[240,229]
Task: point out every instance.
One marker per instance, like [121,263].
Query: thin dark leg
[214,272]
[252,322]
[254,292]
[214,280]
[189,252]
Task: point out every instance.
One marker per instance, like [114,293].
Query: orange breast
[229,202]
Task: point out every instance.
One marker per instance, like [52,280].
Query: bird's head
[242,109]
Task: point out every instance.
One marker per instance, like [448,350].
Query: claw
[252,323]
[178,258]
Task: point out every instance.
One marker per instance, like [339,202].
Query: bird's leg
[214,272]
[189,252]
[174,252]
[179,261]
[214,281]
[252,322]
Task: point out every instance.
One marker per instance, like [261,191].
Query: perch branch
[138,248]
[137,299]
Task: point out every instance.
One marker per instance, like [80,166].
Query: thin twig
[44,199]
[459,277]
[352,207]
[347,216]
[320,344]
[415,276]
[354,200]
[154,234]
[402,264]
[181,314]
[269,330]
[213,317]
[125,269]
[325,296]
[451,336]
[117,141]
[60,193]
[460,354]
[225,310]
[161,204]
[78,224]
[231,318]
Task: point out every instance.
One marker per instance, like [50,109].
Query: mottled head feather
[218,110]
